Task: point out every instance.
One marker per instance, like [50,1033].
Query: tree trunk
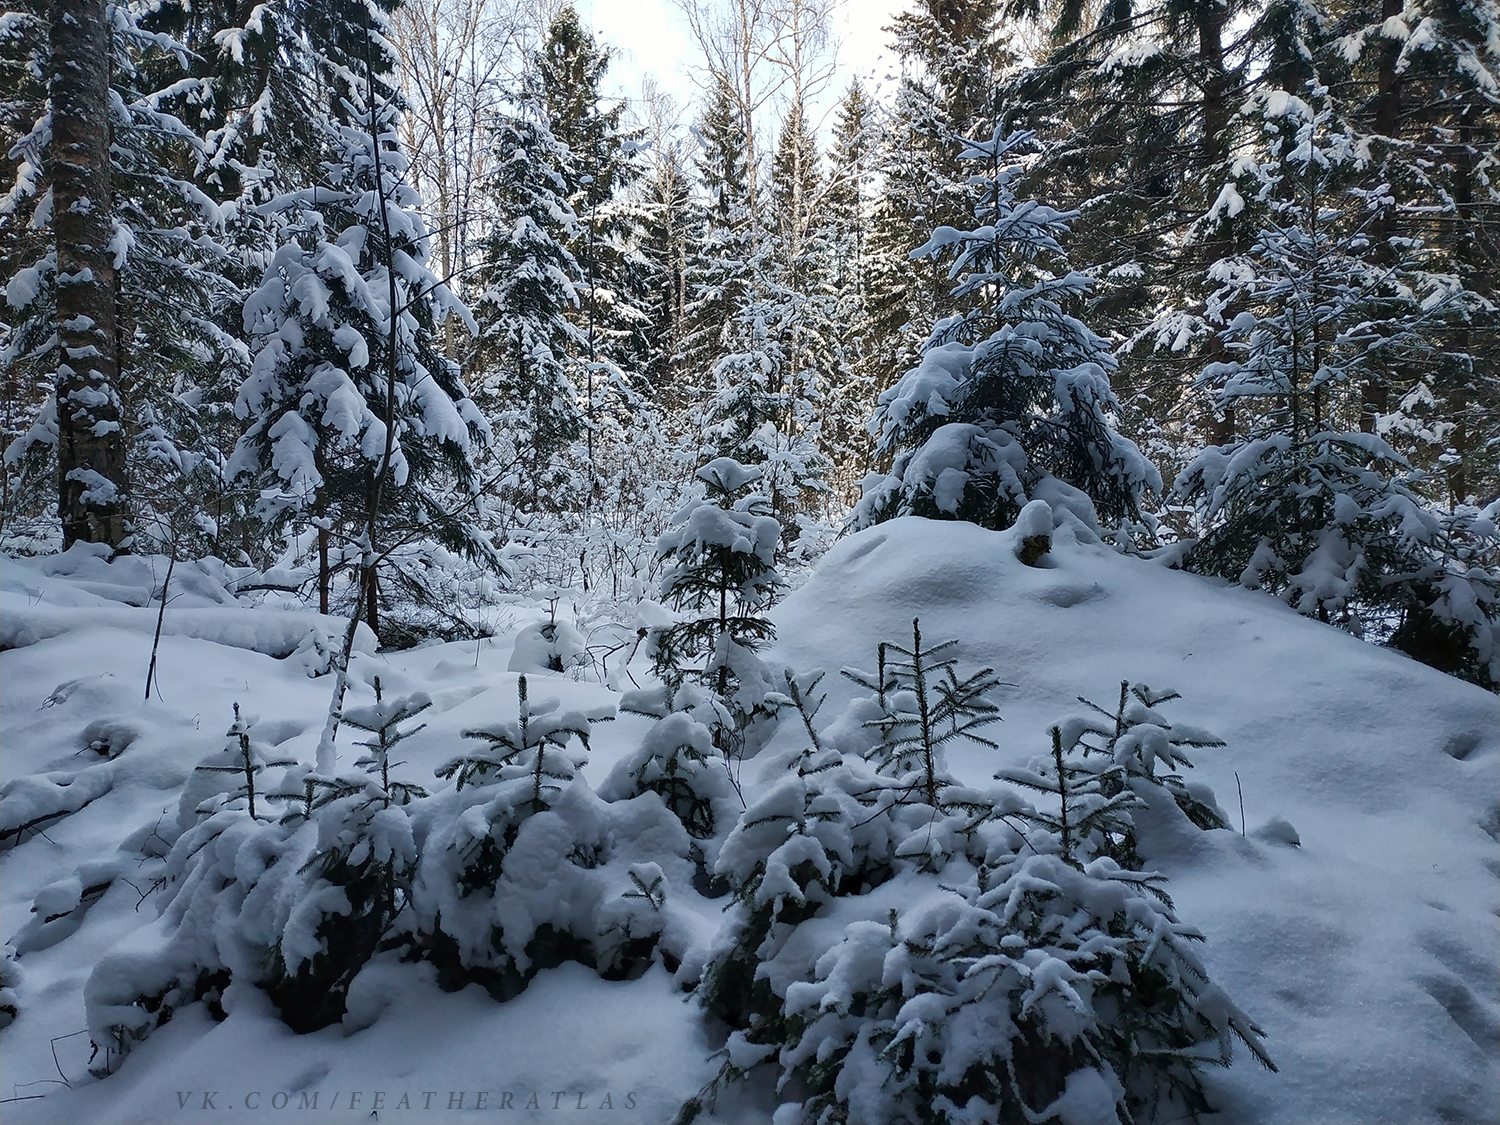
[323,570]
[1460,376]
[1213,151]
[91,445]
[1374,396]
[372,602]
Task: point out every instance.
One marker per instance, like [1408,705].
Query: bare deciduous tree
[458,58]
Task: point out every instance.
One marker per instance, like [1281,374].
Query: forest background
[397,303]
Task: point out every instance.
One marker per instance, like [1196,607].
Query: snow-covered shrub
[677,760]
[384,721]
[230,779]
[721,574]
[1450,604]
[1137,738]
[359,876]
[839,827]
[469,830]
[523,866]
[231,879]
[809,839]
[971,958]
[1056,985]
[550,645]
[536,743]
[1039,991]
[294,904]
[317,653]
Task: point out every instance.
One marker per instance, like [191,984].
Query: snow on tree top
[707,525]
[728,474]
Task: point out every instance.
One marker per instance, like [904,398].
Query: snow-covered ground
[1368,952]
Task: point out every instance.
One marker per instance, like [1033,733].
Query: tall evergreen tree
[952,55]
[1421,81]
[90,436]
[796,185]
[357,422]
[1137,105]
[903,294]
[852,167]
[716,271]
[672,220]
[527,289]
[165,363]
[766,408]
[845,232]
[597,163]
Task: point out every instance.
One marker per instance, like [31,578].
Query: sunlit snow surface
[1368,954]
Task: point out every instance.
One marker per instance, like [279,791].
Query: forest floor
[1351,909]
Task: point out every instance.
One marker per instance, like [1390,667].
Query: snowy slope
[1368,954]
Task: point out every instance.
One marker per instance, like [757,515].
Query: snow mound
[40,599]
[1369,952]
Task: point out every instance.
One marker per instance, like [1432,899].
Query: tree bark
[1374,390]
[91,444]
[1461,377]
[1213,152]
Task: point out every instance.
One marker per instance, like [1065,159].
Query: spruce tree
[678,761]
[671,225]
[766,408]
[364,852]
[715,273]
[598,165]
[1013,392]
[775,347]
[720,553]
[951,55]
[480,912]
[902,294]
[852,161]
[1414,80]
[527,285]
[924,705]
[1307,505]
[1137,105]
[355,417]
[845,234]
[1077,971]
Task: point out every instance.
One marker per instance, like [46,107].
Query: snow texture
[1367,953]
